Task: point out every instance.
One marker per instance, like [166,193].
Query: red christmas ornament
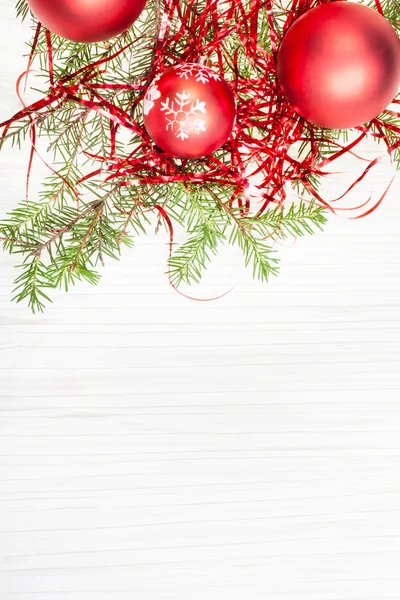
[189,111]
[339,65]
[87,20]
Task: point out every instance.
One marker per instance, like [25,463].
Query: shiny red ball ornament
[339,65]
[189,111]
[87,20]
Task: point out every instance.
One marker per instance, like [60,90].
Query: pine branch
[97,216]
[10,243]
[206,222]
[71,240]
[96,207]
[255,251]
[17,134]
[34,279]
[26,222]
[22,9]
[300,220]
[192,257]
[252,234]
[391,10]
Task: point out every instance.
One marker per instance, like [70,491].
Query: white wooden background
[158,448]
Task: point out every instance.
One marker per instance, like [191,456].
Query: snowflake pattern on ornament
[201,74]
[153,93]
[179,114]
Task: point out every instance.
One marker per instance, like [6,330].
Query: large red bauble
[339,65]
[87,20]
[189,111]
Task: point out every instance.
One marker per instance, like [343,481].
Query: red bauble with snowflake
[189,111]
[339,64]
[87,21]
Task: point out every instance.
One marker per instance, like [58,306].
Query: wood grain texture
[156,448]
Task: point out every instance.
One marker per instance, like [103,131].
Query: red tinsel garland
[260,103]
